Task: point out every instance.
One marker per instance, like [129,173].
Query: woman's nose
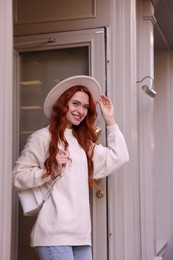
[80,109]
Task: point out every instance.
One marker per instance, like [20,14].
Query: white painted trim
[6,127]
[146,67]
[124,241]
[16,133]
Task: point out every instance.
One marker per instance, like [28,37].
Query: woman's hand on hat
[107,110]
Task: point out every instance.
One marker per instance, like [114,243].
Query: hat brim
[89,82]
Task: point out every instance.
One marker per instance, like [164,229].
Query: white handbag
[32,200]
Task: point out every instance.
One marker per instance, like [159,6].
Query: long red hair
[84,132]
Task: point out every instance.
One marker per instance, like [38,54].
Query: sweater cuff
[112,128]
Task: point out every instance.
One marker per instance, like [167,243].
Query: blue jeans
[64,252]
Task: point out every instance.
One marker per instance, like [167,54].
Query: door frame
[95,40]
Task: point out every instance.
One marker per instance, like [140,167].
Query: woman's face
[78,108]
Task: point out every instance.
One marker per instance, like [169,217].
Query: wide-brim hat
[81,80]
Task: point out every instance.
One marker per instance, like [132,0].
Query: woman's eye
[75,104]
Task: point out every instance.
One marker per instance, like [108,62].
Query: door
[41,62]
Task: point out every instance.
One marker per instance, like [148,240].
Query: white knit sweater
[65,217]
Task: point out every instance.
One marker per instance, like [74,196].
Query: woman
[68,145]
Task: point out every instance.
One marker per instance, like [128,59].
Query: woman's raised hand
[107,110]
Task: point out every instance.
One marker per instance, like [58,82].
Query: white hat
[81,80]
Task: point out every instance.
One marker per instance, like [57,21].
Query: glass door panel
[40,71]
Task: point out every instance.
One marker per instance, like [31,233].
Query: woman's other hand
[62,157]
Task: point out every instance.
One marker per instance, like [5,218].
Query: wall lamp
[148,90]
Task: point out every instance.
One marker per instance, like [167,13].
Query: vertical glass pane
[40,71]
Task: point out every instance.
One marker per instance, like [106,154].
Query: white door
[40,62]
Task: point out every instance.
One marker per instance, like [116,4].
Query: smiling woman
[78,108]
[68,145]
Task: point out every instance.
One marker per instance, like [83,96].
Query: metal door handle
[100,194]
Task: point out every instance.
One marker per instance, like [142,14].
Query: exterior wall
[123,188]
[163,129]
[136,230]
[121,54]
[145,131]
[30,19]
[6,127]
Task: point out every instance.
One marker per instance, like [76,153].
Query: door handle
[99,193]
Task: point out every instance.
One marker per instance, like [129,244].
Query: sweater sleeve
[29,167]
[108,159]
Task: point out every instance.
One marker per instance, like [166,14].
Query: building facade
[123,45]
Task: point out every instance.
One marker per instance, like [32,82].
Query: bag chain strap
[49,191]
